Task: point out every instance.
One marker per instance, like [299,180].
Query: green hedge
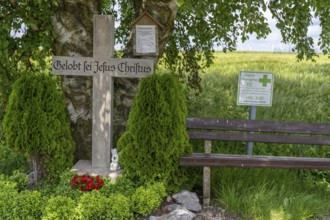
[94,205]
[24,205]
[59,207]
[36,123]
[147,198]
[123,202]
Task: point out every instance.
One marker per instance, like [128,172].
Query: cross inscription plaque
[103,68]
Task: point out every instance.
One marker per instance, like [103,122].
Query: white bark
[73,29]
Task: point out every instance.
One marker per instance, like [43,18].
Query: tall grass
[301,93]
[268,194]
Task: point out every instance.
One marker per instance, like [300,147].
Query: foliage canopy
[25,41]
[202,25]
[199,26]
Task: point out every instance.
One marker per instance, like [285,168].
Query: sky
[273,41]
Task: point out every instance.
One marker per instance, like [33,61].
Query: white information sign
[255,88]
[146,39]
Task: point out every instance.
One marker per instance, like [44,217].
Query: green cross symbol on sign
[264,80]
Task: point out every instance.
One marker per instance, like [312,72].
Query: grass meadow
[301,93]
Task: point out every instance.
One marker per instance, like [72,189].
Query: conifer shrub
[156,135]
[36,124]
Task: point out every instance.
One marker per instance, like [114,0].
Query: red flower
[86,183]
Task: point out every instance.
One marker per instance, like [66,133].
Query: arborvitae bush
[156,134]
[37,125]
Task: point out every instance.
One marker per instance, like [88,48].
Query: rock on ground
[186,206]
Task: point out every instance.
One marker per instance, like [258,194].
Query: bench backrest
[258,131]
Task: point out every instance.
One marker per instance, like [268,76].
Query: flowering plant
[86,183]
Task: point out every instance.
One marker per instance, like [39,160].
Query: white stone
[114,160]
[180,214]
[189,200]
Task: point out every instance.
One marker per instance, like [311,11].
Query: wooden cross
[103,68]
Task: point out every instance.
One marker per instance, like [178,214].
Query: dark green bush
[17,181]
[156,133]
[10,160]
[60,186]
[21,179]
[36,124]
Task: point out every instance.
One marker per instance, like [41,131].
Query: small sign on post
[146,41]
[145,34]
[254,89]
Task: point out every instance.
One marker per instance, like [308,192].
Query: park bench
[298,133]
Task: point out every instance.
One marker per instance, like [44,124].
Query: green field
[301,89]
[301,93]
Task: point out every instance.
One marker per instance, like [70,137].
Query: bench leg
[206,186]
[207,176]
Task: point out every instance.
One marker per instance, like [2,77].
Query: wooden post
[207,176]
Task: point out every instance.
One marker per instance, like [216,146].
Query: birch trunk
[73,29]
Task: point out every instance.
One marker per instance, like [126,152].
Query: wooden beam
[244,161]
[266,138]
[258,126]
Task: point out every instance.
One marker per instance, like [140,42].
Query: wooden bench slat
[258,125]
[271,138]
[226,160]
[208,129]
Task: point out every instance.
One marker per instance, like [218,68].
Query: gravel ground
[210,213]
[214,213]
[207,213]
